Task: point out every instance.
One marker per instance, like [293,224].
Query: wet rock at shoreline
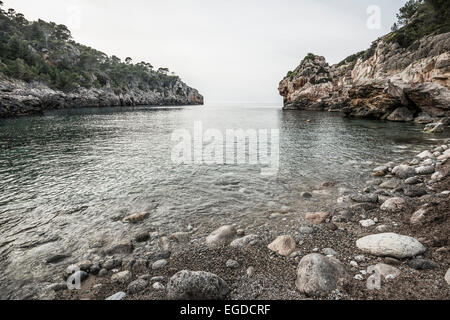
[283,245]
[361,198]
[425,170]
[390,244]
[222,236]
[123,247]
[142,237]
[413,180]
[190,285]
[318,275]
[414,192]
[404,171]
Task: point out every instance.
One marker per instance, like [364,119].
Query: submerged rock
[136,218]
[222,236]
[404,171]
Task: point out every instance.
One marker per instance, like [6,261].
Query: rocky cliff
[385,82]
[42,67]
[21,98]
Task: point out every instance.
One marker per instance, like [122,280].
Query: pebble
[306,230]
[424,170]
[316,217]
[447,276]
[222,236]
[307,195]
[418,216]
[360,258]
[318,275]
[385,270]
[142,237]
[393,205]
[245,241]
[359,277]
[137,286]
[422,264]
[111,264]
[367,223]
[232,264]
[413,180]
[382,228]
[390,184]
[136,218]
[283,245]
[190,285]
[329,252]
[124,247]
[121,277]
[158,286]
[58,286]
[414,192]
[103,273]
[160,264]
[404,171]
[117,296]
[354,264]
[390,244]
[250,272]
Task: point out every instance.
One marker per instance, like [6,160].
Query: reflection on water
[66,177]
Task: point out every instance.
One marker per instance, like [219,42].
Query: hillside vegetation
[45,51]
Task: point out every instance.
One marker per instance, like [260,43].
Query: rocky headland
[390,240]
[43,68]
[19,98]
[387,82]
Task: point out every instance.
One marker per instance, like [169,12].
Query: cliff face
[21,98]
[386,82]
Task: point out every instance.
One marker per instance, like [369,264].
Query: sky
[230,50]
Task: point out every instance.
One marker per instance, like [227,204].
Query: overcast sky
[231,50]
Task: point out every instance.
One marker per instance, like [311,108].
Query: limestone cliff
[385,82]
[21,98]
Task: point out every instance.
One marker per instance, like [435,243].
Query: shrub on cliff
[420,18]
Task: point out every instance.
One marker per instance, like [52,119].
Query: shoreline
[253,271]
